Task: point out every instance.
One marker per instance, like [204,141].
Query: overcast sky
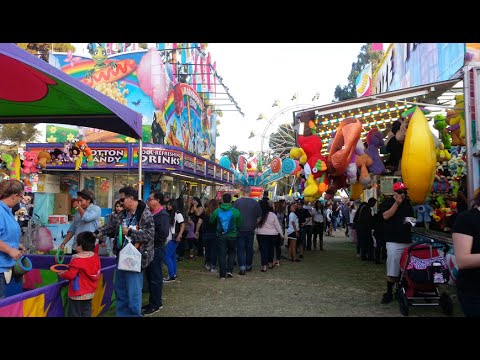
[258,74]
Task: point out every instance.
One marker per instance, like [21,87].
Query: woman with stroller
[466,244]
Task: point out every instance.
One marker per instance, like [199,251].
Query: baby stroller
[423,268]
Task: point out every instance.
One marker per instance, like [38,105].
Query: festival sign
[159,158]
[211,170]
[189,163]
[201,166]
[173,112]
[105,156]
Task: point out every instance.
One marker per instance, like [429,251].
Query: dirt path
[330,283]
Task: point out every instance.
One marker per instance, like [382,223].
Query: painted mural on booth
[173,111]
[412,64]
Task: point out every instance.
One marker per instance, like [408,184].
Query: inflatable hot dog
[108,74]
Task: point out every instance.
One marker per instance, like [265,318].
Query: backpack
[226,222]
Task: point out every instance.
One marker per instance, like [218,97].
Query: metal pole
[140,151]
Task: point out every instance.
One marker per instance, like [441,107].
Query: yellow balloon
[418,158]
[356,191]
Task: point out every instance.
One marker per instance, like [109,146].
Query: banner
[159,158]
[189,163]
[363,83]
[211,170]
[201,166]
[145,81]
[105,156]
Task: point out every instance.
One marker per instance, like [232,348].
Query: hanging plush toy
[440,123]
[375,141]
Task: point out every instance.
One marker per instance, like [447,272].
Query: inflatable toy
[418,158]
[225,162]
[375,141]
[343,145]
[356,191]
[276,165]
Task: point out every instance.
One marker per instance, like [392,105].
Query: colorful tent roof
[33,91]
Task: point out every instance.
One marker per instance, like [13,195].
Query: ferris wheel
[278,135]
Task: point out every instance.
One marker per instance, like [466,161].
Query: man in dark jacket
[364,228]
[137,224]
[153,272]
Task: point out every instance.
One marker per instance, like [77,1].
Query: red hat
[399,186]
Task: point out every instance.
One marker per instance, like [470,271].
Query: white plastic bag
[129,258]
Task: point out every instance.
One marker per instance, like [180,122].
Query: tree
[18,133]
[282,141]
[42,49]
[233,154]
[365,57]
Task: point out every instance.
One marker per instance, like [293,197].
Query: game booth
[34,289]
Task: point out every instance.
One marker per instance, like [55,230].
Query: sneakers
[170,279]
[213,270]
[241,272]
[387,298]
[150,310]
[229,275]
[207,267]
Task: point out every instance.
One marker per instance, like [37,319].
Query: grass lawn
[331,283]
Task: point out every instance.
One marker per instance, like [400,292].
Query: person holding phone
[396,232]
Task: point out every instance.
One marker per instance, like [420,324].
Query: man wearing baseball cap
[397,233]
[86,218]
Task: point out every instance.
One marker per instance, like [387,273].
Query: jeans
[317,229]
[128,292]
[3,285]
[154,276]
[224,245]
[469,301]
[245,249]
[171,258]
[210,252]
[79,308]
[306,236]
[265,244]
[277,247]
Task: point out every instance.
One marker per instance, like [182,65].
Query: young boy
[83,273]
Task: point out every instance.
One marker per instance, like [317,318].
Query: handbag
[129,258]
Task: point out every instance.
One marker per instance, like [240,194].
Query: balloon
[288,166]
[418,158]
[225,162]
[152,78]
[168,68]
[276,165]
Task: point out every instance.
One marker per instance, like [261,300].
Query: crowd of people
[223,233]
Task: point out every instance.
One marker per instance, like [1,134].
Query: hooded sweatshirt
[236,218]
[83,273]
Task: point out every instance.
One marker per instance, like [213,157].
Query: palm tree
[233,155]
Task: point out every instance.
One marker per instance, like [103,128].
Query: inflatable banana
[418,158]
[15,173]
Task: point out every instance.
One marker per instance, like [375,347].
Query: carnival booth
[417,135]
[43,90]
